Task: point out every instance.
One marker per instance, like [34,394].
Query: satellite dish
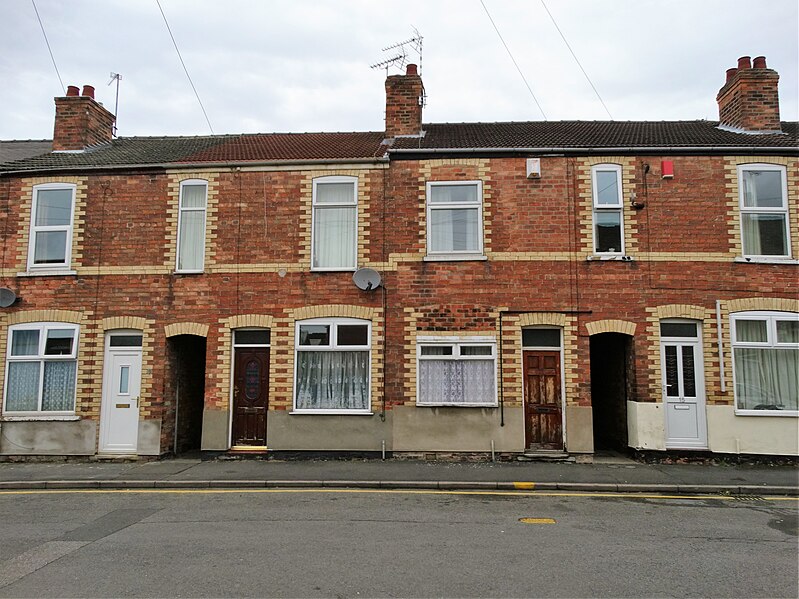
[366,279]
[7,297]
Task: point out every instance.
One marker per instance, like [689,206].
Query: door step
[544,455]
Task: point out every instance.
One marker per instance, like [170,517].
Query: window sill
[609,258]
[777,413]
[336,269]
[764,260]
[332,412]
[188,272]
[456,405]
[455,258]
[48,273]
[40,417]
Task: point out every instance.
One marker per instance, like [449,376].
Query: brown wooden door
[250,395]
[542,400]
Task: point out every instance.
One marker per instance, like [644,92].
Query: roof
[20,149]
[577,136]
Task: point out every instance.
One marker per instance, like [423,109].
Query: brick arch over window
[611,326]
[542,318]
[680,311]
[763,303]
[186,328]
[124,322]
[69,316]
[334,311]
[263,321]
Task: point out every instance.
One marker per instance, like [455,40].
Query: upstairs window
[764,211]
[454,218]
[191,225]
[608,209]
[334,242]
[456,372]
[52,219]
[41,369]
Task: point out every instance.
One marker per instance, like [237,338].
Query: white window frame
[455,254]
[181,210]
[771,318]
[607,208]
[41,358]
[456,343]
[333,346]
[34,230]
[317,206]
[742,168]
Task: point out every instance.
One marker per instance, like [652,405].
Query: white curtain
[764,234]
[58,391]
[454,230]
[766,378]
[456,381]
[333,380]
[192,237]
[22,389]
[334,237]
[25,343]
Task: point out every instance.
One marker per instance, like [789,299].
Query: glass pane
[672,386]
[124,379]
[751,331]
[475,350]
[261,337]
[58,391]
[608,231]
[764,235]
[332,380]
[688,372]
[766,379]
[25,343]
[192,240]
[436,350]
[762,189]
[607,188]
[252,379]
[314,334]
[50,247]
[126,341]
[193,196]
[450,194]
[788,331]
[59,342]
[454,230]
[456,381]
[53,207]
[335,193]
[353,334]
[678,329]
[22,389]
[334,237]
[541,337]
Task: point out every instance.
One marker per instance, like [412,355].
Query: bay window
[454,219]
[764,211]
[456,371]
[334,242]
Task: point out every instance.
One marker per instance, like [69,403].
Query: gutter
[603,150]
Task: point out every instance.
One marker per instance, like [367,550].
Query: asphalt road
[393,544]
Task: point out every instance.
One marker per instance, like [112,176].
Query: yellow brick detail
[186,328]
[610,326]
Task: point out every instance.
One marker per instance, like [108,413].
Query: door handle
[136,401]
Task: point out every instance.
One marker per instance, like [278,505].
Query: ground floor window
[456,372]
[332,363]
[766,361]
[41,369]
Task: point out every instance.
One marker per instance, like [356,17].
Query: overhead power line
[576,59]
[184,67]
[49,49]
[514,60]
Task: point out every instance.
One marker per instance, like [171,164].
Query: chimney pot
[749,99]
[731,73]
[745,62]
[411,69]
[72,90]
[88,91]
[759,62]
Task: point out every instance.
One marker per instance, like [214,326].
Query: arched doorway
[611,386]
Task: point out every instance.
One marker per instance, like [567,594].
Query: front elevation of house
[555,287]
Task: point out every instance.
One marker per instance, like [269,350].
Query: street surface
[373,543]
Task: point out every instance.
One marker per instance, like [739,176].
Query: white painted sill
[768,413]
[761,260]
[455,257]
[40,418]
[457,405]
[188,272]
[48,273]
[331,413]
[609,258]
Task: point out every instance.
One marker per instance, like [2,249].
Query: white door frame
[681,401]
[111,412]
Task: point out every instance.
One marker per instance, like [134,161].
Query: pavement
[617,474]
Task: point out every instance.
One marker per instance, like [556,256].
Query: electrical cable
[49,49]
[184,66]
[530,89]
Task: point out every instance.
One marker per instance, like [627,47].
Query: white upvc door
[684,394]
[119,421]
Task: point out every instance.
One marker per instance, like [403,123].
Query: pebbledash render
[544,287]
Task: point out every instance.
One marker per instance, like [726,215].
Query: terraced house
[521,287]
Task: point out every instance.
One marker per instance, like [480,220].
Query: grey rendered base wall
[579,429]
[334,432]
[215,430]
[149,442]
[74,437]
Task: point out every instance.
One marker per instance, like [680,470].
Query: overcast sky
[303,65]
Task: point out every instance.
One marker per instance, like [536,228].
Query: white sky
[303,65]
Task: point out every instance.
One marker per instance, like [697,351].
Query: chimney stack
[80,121]
[404,97]
[749,99]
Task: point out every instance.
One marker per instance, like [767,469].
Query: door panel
[250,396]
[684,395]
[542,400]
[119,427]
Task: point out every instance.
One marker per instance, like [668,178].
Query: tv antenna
[401,50]
[115,77]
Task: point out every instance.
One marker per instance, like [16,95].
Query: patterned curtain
[22,390]
[333,380]
[456,382]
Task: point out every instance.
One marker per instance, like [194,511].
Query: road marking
[520,485]
[386,492]
[537,520]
